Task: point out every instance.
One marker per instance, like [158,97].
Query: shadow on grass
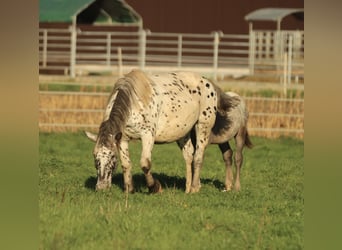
[166,181]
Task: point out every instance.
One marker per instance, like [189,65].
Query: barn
[58,13]
[97,34]
[202,16]
[59,21]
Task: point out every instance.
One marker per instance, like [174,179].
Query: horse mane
[134,88]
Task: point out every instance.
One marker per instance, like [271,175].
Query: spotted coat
[159,108]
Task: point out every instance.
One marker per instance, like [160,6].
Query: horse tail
[248,142]
[225,102]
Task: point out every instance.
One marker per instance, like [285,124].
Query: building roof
[87,11]
[271,14]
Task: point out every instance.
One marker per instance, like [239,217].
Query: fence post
[120,61]
[289,59]
[142,48]
[251,52]
[44,47]
[285,62]
[179,51]
[215,57]
[73,50]
[279,48]
[109,43]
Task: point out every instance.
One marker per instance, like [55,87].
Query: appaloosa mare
[231,122]
[159,108]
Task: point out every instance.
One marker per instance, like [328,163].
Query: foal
[231,122]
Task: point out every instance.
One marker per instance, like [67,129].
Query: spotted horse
[159,108]
[231,122]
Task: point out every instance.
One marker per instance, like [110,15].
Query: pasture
[268,213]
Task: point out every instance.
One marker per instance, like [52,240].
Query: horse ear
[91,136]
[118,136]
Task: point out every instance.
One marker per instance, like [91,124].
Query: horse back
[186,98]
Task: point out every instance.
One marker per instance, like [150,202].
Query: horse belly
[173,127]
[223,137]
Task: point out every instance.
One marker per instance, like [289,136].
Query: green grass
[73,87]
[267,214]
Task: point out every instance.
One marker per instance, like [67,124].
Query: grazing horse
[159,108]
[231,122]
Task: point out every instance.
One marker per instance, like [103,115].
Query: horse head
[105,157]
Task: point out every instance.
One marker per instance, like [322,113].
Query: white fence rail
[75,52]
[99,50]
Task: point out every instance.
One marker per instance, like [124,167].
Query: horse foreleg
[188,154]
[153,185]
[126,167]
[240,142]
[227,154]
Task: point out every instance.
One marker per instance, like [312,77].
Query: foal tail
[248,142]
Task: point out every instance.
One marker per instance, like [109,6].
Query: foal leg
[126,166]
[227,154]
[188,150]
[240,142]
[153,185]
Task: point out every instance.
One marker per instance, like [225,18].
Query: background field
[267,214]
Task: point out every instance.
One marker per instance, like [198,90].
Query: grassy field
[267,214]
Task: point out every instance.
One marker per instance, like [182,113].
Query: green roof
[87,11]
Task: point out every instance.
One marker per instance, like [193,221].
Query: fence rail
[259,53]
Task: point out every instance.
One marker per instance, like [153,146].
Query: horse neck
[126,93]
[120,111]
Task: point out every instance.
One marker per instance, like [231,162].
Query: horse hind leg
[202,140]
[227,154]
[187,148]
[240,142]
[153,185]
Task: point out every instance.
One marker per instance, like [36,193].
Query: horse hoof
[228,187]
[237,187]
[130,191]
[187,188]
[194,190]
[156,188]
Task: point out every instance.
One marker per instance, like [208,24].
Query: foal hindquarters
[231,122]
